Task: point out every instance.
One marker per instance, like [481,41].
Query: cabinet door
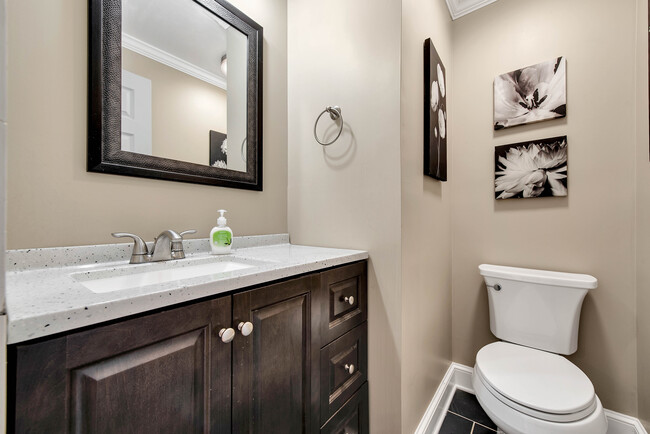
[274,390]
[167,372]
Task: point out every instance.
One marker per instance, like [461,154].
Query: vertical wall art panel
[531,169]
[435,114]
[218,150]
[532,94]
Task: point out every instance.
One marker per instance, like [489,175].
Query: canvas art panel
[537,168]
[435,114]
[218,150]
[532,94]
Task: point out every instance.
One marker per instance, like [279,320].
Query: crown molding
[458,8]
[172,61]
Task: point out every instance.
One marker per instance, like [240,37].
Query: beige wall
[643,217]
[3,160]
[592,231]
[348,194]
[237,100]
[53,201]
[184,109]
[426,211]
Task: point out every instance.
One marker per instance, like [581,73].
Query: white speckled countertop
[45,293]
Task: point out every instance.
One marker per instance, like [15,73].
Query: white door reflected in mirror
[136,113]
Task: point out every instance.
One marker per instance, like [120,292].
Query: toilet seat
[549,417]
[543,385]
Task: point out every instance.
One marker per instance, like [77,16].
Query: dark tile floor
[465,416]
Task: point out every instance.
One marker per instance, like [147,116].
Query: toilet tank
[536,308]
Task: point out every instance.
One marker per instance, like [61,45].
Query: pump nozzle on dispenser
[221,221]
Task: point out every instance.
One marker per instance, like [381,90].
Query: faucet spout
[165,244]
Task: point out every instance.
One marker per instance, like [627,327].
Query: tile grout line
[472,431]
[466,418]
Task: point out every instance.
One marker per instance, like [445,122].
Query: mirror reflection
[184,84]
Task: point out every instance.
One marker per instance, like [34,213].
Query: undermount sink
[134,276]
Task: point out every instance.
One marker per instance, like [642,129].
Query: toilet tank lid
[544,277]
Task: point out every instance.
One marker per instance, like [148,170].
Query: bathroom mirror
[175,91]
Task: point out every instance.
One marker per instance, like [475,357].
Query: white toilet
[523,383]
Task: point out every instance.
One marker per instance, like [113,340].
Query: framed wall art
[532,94]
[218,149]
[537,168]
[435,114]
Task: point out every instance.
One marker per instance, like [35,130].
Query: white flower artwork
[531,169]
[220,164]
[532,94]
[441,80]
[435,96]
[435,93]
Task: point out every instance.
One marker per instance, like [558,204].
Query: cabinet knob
[349,300]
[246,328]
[349,368]
[227,335]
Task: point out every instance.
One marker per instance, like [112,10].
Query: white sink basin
[135,276]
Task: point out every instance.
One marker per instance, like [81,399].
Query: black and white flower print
[532,169]
[531,94]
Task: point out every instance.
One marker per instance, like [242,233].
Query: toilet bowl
[523,382]
[529,391]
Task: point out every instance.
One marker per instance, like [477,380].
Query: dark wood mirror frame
[104,104]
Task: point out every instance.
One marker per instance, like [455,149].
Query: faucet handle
[140,250]
[177,251]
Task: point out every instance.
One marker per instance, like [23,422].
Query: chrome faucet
[166,247]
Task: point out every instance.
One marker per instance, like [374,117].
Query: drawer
[344,295]
[343,369]
[352,418]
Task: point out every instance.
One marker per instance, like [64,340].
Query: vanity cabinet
[171,371]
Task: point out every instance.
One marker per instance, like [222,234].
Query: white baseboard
[460,377]
[623,424]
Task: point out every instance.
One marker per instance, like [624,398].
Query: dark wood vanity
[303,369]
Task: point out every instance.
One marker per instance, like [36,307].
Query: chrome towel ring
[335,114]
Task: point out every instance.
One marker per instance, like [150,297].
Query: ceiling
[458,8]
[180,28]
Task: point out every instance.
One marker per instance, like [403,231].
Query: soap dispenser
[221,236]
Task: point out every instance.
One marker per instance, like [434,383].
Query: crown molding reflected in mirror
[106,149]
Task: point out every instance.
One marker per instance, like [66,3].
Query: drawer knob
[349,300]
[227,335]
[349,368]
[246,328]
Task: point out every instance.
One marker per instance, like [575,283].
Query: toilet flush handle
[497,287]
